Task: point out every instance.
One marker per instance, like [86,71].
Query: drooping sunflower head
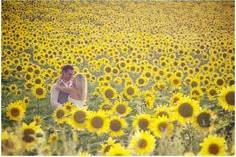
[213,145]
[226,98]
[164,110]
[69,107]
[106,146]
[105,106]
[37,119]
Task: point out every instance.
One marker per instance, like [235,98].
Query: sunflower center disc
[230,98]
[79,116]
[115,125]
[143,124]
[130,91]
[142,143]
[204,120]
[109,94]
[186,110]
[121,109]
[15,112]
[97,122]
[28,139]
[213,149]
[60,114]
[39,91]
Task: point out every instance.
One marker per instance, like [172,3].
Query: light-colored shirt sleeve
[54,96]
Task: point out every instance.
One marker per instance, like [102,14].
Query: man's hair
[67,67]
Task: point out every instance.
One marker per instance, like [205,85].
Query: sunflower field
[160,77]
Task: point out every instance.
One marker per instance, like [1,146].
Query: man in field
[59,97]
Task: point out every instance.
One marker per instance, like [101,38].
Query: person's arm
[54,97]
[65,89]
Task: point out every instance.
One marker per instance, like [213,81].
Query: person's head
[67,72]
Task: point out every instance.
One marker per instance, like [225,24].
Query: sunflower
[196,93]
[175,81]
[106,146]
[194,82]
[213,145]
[69,107]
[78,118]
[10,144]
[60,115]
[97,122]
[226,98]
[109,93]
[6,73]
[107,69]
[39,91]
[28,76]
[26,100]
[28,85]
[130,91]
[16,111]
[121,108]
[37,119]
[53,138]
[29,135]
[204,120]
[38,80]
[220,82]
[118,150]
[13,88]
[212,93]
[118,80]
[142,121]
[105,106]
[142,81]
[142,143]
[164,110]
[175,98]
[116,126]
[186,109]
[161,127]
